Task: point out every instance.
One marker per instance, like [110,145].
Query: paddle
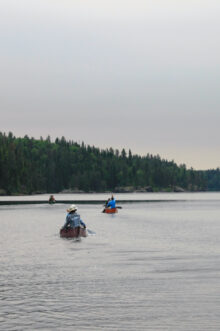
[119,207]
[90,232]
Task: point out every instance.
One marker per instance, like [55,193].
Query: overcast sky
[140,74]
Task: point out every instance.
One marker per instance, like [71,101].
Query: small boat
[51,200]
[110,210]
[73,232]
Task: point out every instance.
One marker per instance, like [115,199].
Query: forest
[31,166]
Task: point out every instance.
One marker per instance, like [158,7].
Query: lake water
[153,266]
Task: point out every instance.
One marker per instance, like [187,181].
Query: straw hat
[72,208]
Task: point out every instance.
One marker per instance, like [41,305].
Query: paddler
[73,219]
[112,203]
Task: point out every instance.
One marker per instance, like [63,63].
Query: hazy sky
[140,74]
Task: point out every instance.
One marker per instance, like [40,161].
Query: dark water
[153,266]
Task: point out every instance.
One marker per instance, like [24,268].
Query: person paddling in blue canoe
[112,203]
[73,219]
[110,206]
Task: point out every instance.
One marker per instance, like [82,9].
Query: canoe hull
[73,233]
[110,210]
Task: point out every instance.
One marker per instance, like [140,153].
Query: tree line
[29,165]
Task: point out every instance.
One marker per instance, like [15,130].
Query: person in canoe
[110,206]
[106,204]
[73,219]
[112,203]
[52,199]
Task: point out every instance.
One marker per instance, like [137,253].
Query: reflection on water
[152,266]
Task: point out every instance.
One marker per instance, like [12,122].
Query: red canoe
[110,210]
[73,233]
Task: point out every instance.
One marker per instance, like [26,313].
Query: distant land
[32,166]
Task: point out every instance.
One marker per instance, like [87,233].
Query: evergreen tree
[28,165]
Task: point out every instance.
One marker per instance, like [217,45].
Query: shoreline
[100,198]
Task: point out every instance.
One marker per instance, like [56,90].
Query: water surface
[153,266]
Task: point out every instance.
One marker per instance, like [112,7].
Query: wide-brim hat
[72,208]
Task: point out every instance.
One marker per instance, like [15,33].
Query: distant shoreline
[125,190]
